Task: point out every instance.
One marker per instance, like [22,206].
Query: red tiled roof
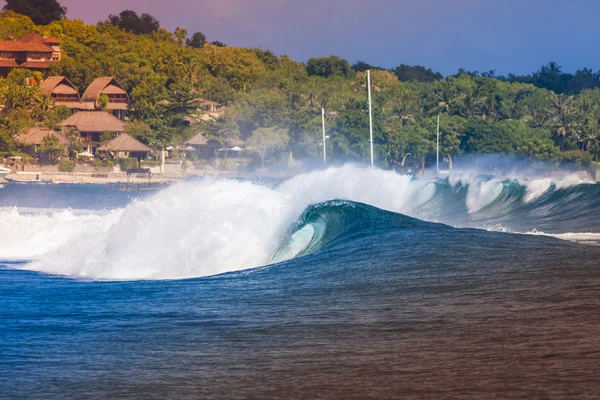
[33,64]
[8,63]
[9,45]
[52,40]
[31,37]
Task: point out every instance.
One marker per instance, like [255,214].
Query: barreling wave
[196,229]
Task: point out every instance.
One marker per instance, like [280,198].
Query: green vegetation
[51,145]
[66,165]
[150,163]
[128,163]
[275,103]
[103,164]
[265,140]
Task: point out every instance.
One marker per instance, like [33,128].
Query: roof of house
[198,140]
[201,140]
[125,142]
[51,40]
[102,85]
[40,47]
[58,85]
[205,102]
[35,64]
[35,137]
[31,37]
[94,121]
[8,63]
[30,42]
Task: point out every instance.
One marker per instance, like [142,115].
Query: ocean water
[344,283]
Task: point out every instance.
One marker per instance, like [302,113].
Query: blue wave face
[346,228]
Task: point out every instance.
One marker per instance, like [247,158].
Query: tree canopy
[328,67]
[41,12]
[197,41]
[132,22]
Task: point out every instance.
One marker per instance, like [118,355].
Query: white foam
[579,237]
[537,187]
[483,193]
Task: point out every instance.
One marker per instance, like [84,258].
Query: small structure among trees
[125,146]
[31,51]
[43,143]
[207,148]
[107,93]
[92,126]
[62,91]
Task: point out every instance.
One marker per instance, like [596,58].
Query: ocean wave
[195,229]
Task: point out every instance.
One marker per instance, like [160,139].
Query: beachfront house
[62,91]
[92,125]
[31,142]
[118,103]
[209,148]
[210,110]
[31,51]
[125,146]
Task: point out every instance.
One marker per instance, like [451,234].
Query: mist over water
[213,226]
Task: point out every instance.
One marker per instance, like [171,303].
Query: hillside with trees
[548,115]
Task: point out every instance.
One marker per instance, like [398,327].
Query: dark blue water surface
[58,197]
[384,306]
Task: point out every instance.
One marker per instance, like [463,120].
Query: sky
[504,35]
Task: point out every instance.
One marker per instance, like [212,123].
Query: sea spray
[195,229]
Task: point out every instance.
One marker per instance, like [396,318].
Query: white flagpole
[324,138]
[437,161]
[370,117]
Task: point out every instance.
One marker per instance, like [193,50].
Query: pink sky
[506,35]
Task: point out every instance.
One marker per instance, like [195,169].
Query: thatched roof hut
[124,146]
[125,142]
[62,91]
[118,98]
[36,136]
[94,121]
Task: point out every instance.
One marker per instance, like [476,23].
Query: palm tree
[563,118]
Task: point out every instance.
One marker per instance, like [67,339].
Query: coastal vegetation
[548,115]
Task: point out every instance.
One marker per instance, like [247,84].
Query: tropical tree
[130,21]
[266,140]
[329,66]
[51,146]
[41,12]
[197,41]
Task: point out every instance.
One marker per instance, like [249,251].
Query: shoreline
[107,178]
[87,178]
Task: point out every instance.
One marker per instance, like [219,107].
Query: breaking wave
[195,229]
